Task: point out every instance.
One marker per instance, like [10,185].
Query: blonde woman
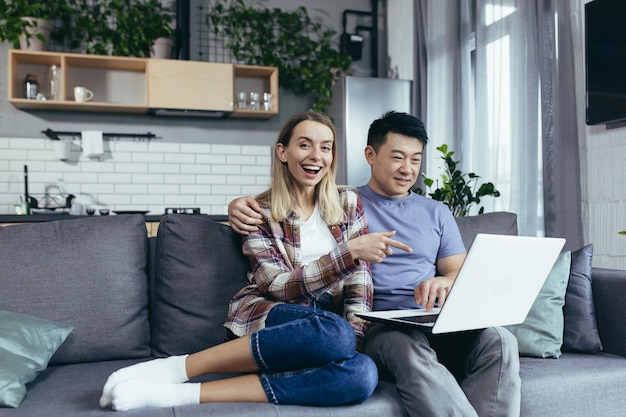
[294,332]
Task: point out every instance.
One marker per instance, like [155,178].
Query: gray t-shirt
[424,224]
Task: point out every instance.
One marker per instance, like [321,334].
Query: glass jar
[31,87]
[54,83]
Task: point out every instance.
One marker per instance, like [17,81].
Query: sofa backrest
[89,273]
[498,223]
[198,267]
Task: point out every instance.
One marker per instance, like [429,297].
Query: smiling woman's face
[309,154]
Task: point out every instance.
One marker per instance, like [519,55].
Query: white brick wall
[136,175]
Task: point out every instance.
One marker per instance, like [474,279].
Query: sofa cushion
[574,385]
[541,334]
[580,333]
[26,345]
[88,273]
[74,390]
[199,267]
[499,223]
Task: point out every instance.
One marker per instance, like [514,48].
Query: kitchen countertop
[36,218]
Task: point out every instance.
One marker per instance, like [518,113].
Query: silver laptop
[496,286]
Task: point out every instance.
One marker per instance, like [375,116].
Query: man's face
[396,165]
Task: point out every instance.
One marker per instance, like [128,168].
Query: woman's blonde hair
[280,197]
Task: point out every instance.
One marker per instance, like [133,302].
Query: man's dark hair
[395,122]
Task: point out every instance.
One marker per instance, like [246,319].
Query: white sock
[169,370]
[138,393]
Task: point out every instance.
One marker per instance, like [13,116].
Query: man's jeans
[464,374]
[308,356]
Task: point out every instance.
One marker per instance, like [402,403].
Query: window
[483,100]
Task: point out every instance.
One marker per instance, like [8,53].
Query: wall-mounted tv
[605,61]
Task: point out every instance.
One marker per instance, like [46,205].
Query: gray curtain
[560,125]
[521,130]
[446,107]
[420,80]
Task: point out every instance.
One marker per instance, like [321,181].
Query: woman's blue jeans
[308,356]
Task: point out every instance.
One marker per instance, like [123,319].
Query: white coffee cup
[82,94]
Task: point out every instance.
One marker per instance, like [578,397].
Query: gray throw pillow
[581,330]
[26,345]
[87,272]
[541,334]
[199,266]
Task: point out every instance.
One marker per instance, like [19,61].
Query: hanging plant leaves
[299,47]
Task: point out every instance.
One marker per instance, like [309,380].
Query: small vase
[33,43]
[162,48]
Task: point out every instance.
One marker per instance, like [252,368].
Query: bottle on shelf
[53,84]
[31,86]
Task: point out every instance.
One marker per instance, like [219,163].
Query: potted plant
[158,29]
[299,47]
[27,24]
[136,25]
[458,190]
[79,31]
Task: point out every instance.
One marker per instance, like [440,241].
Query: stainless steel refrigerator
[356,102]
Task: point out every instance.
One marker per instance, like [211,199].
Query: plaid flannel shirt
[277,275]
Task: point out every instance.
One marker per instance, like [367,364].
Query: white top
[315,238]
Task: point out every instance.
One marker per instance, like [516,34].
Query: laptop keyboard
[427,318]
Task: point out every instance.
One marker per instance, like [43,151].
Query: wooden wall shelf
[140,85]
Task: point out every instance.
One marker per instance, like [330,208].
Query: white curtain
[448,89]
[507,142]
[486,60]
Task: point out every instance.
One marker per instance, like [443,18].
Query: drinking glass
[254,101]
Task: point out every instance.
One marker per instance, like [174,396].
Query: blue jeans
[308,356]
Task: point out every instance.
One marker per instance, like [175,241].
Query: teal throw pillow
[26,345]
[541,334]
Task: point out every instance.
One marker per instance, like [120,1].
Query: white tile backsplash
[180,158]
[155,175]
[211,179]
[227,149]
[135,175]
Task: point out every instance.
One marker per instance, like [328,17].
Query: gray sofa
[130,298]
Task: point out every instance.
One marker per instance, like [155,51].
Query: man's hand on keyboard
[432,290]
